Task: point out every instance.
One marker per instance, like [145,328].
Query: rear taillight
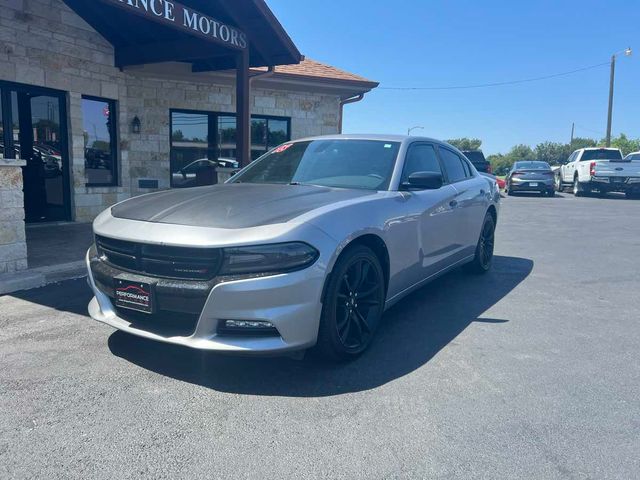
[517,174]
[592,169]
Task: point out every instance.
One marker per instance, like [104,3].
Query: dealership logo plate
[134,295]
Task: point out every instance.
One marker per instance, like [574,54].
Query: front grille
[167,324]
[159,260]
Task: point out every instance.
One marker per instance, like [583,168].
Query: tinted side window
[420,158]
[467,168]
[452,165]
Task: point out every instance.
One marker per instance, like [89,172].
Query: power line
[589,130]
[498,84]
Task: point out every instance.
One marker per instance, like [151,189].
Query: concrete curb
[39,277]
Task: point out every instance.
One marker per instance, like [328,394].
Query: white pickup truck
[599,169]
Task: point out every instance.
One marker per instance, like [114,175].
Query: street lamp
[412,129]
[627,53]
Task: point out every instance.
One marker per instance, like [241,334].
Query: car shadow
[70,296]
[412,333]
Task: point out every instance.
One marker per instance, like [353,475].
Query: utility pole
[627,53]
[573,129]
[610,113]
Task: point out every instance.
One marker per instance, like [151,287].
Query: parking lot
[532,371]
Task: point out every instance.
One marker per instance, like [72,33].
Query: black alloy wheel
[353,305]
[483,259]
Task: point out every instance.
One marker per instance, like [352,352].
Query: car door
[569,169]
[433,212]
[471,201]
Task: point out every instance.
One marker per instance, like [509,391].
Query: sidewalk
[55,253]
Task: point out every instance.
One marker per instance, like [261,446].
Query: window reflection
[204,143]
[278,132]
[258,137]
[98,121]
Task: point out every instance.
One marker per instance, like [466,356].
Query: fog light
[252,324]
[249,328]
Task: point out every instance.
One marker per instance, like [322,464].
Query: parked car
[633,156]
[306,246]
[477,158]
[530,176]
[601,169]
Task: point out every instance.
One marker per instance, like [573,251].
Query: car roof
[374,136]
[597,148]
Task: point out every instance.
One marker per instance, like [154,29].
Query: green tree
[521,152]
[580,142]
[627,145]
[500,164]
[553,153]
[466,143]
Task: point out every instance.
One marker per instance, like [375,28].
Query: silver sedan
[305,247]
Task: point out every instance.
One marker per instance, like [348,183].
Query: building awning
[208,34]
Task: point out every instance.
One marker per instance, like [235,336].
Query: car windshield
[342,163]
[532,166]
[601,154]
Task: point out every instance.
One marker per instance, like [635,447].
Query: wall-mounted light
[136,125]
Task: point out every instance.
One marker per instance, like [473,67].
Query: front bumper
[290,302]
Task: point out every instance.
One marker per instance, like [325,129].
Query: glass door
[41,141]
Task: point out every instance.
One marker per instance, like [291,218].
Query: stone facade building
[93,132]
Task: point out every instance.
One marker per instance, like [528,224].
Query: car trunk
[533,175]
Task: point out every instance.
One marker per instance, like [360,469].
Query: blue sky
[445,43]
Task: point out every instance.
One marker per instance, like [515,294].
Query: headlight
[277,258]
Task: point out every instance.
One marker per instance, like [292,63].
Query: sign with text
[176,15]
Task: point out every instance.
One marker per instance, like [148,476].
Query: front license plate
[134,295]
[533,184]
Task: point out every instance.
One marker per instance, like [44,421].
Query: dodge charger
[305,247]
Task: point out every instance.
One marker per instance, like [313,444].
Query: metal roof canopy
[155,31]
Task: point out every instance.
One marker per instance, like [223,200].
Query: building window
[201,142]
[100,141]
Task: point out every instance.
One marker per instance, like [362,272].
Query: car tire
[632,195]
[578,190]
[507,189]
[551,193]
[483,259]
[353,305]
[558,184]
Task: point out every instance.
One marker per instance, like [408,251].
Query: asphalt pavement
[532,371]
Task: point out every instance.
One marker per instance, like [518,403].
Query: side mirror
[424,181]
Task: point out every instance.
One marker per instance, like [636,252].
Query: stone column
[13,244]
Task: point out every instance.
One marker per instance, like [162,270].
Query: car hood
[232,205]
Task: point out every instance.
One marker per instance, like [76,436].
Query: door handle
[453,203]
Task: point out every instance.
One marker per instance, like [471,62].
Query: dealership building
[101,100]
